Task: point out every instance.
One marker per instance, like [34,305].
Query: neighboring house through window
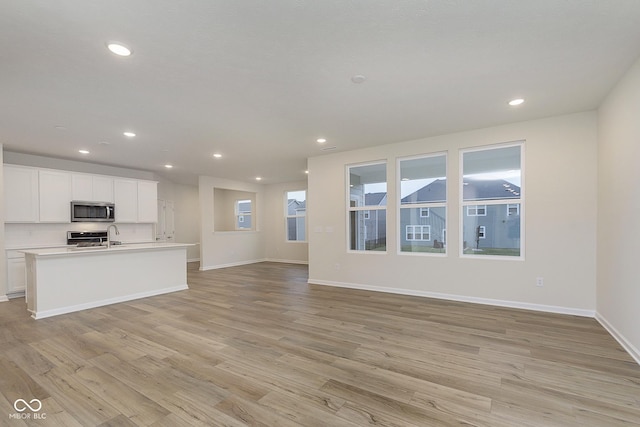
[418,233]
[243,214]
[492,176]
[295,215]
[423,204]
[367,207]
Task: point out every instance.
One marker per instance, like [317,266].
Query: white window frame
[413,229]
[482,232]
[400,207]
[521,200]
[422,210]
[287,217]
[366,208]
[516,205]
[366,214]
[473,210]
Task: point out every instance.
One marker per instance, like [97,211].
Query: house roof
[374,199]
[294,206]
[474,189]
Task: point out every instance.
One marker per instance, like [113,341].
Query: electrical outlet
[539,281]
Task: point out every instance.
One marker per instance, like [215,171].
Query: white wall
[560,222]
[618,281]
[186,213]
[3,260]
[228,248]
[278,248]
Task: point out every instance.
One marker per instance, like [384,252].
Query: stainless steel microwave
[92,211]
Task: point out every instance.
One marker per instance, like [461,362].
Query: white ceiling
[259,81]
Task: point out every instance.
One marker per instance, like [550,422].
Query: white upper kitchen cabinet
[55,196]
[20,194]
[125,194]
[92,188]
[147,201]
[102,189]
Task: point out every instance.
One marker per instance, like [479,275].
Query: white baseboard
[461,298]
[231,264]
[287,261]
[72,308]
[19,294]
[3,298]
[193,260]
[630,348]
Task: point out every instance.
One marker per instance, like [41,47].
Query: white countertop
[94,250]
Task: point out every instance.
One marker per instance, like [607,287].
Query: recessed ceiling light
[103,142]
[358,78]
[515,102]
[321,140]
[60,127]
[258,178]
[83,151]
[119,49]
[217,155]
[168,166]
[129,134]
[307,172]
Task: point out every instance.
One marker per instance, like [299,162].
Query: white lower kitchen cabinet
[16,274]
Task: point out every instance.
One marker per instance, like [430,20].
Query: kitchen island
[64,280]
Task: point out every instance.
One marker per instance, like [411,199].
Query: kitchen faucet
[109,234]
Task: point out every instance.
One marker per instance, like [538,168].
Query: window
[367,207]
[243,214]
[295,215]
[478,210]
[233,210]
[418,232]
[492,176]
[423,204]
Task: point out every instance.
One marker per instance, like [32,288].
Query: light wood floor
[255,345]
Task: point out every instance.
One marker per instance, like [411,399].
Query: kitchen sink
[87,248]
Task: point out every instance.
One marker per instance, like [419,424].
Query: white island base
[65,280]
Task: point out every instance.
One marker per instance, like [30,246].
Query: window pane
[496,233]
[423,234]
[243,214]
[492,174]
[296,203]
[243,222]
[423,180]
[296,229]
[296,210]
[368,234]
[368,185]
